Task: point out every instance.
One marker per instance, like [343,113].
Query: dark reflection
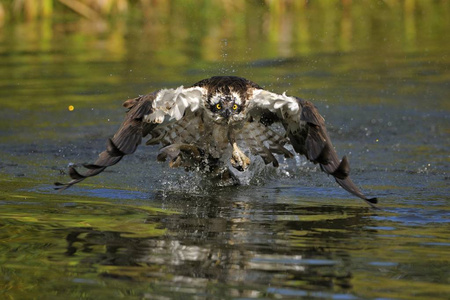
[250,242]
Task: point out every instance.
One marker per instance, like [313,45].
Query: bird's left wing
[144,114]
[306,131]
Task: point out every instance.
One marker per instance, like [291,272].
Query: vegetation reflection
[290,26]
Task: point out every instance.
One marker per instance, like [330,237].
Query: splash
[227,67]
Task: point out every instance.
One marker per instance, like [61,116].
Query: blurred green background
[290,25]
[142,41]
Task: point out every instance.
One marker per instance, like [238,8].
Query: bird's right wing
[144,114]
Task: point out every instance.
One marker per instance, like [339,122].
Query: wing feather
[264,141]
[144,114]
[254,136]
[307,133]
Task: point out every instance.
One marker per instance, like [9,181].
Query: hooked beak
[226,113]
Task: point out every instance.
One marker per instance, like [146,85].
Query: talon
[238,159]
[236,165]
[176,162]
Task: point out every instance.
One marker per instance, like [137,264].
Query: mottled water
[144,231]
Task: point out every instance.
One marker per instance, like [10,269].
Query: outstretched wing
[145,113]
[306,131]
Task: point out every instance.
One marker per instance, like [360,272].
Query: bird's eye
[235,107]
[218,106]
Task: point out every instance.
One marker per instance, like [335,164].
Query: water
[144,231]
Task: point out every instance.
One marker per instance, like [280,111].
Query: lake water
[379,75]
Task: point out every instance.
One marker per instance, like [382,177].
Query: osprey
[211,125]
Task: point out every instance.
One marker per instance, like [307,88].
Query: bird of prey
[216,124]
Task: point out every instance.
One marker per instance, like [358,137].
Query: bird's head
[226,107]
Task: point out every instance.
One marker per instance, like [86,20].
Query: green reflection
[35,248]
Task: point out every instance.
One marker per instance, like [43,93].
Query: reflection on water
[249,244]
[239,243]
[231,250]
[378,73]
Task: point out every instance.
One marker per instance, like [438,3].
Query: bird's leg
[238,159]
[185,155]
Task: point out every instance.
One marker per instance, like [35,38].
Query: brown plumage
[210,125]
